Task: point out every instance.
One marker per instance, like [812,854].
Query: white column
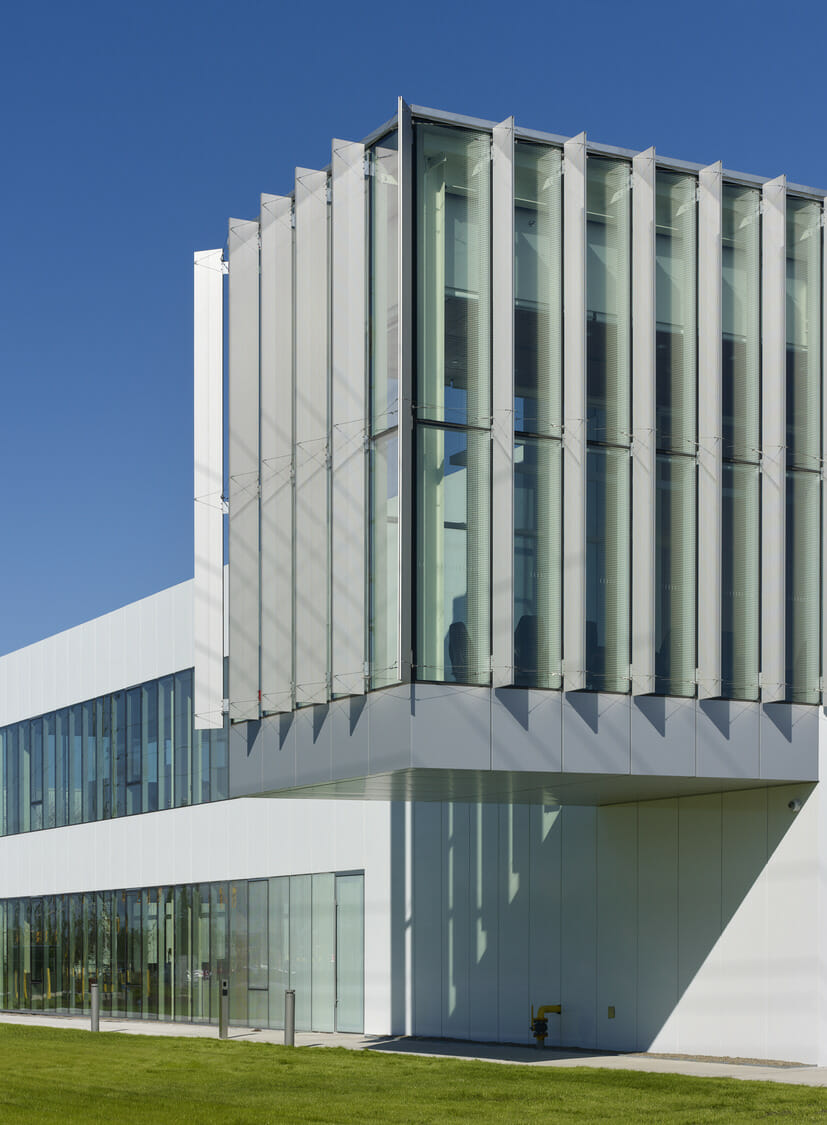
[208,450]
[709,431]
[574,422]
[312,539]
[773,444]
[349,417]
[643,423]
[276,453]
[244,466]
[502,463]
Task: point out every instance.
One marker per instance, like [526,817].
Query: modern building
[510,692]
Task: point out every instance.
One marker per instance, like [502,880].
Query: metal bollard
[96,1006]
[224,1010]
[290,1017]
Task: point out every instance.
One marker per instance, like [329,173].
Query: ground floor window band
[159,953]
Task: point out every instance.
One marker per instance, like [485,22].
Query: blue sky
[130,134]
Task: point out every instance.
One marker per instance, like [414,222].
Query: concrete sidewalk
[792,1073]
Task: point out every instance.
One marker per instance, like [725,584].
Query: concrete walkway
[793,1073]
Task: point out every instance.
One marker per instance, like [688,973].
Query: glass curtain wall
[608,406]
[803,535]
[383,629]
[160,953]
[130,752]
[740,528]
[676,430]
[538,308]
[453,405]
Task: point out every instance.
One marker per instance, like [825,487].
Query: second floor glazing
[590,426]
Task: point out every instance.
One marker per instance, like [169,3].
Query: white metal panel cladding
[349,417]
[406,374]
[276,453]
[502,464]
[574,423]
[643,422]
[709,431]
[312,543]
[208,516]
[773,423]
[244,466]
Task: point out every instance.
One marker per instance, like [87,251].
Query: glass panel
[166,696]
[675,303]
[608,297]
[90,759]
[803,333]
[739,582]
[134,960]
[219,950]
[24,735]
[119,959]
[218,763]
[324,954]
[300,951]
[740,322]
[152,1007]
[134,725]
[149,746]
[537,559]
[104,721]
[384,285]
[453,271]
[675,577]
[200,980]
[76,765]
[119,752]
[350,953]
[104,950]
[166,924]
[279,955]
[36,770]
[183,737]
[607,570]
[183,969]
[238,952]
[384,563]
[453,555]
[49,770]
[538,306]
[258,977]
[803,567]
[62,778]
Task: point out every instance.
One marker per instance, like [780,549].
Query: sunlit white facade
[512,691]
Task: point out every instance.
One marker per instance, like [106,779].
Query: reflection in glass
[803,333]
[162,951]
[607,570]
[608,297]
[538,263]
[675,303]
[739,582]
[453,272]
[384,285]
[675,577]
[384,560]
[453,555]
[803,567]
[537,556]
[740,312]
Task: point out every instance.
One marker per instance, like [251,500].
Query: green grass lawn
[74,1076]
